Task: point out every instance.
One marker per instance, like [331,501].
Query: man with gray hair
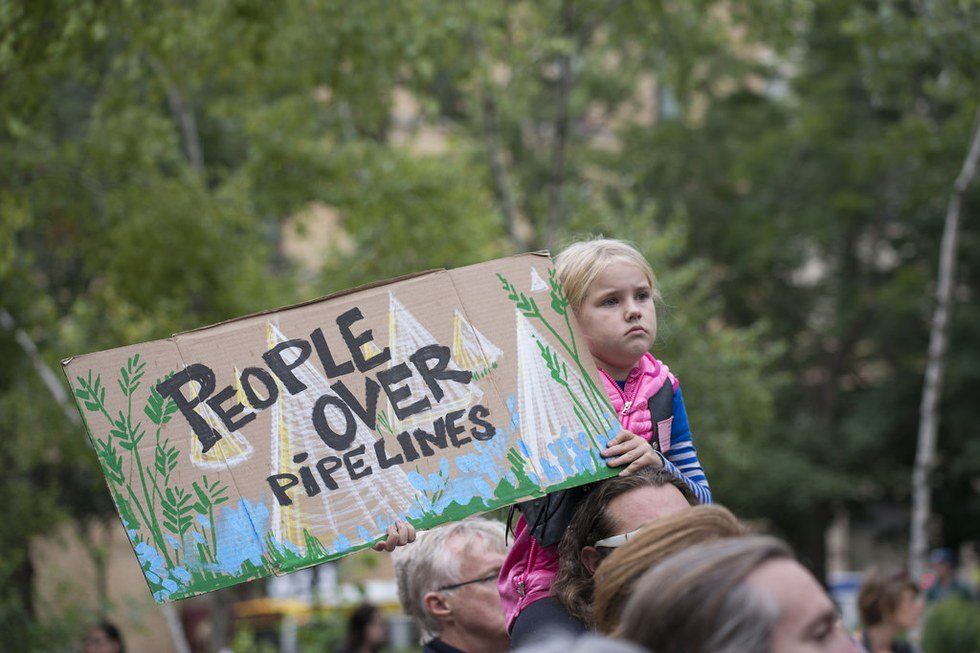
[447,583]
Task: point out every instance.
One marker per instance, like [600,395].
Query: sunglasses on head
[616,541]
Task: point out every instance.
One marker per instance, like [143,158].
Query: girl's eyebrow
[603,292]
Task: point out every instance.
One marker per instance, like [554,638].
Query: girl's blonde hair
[580,263]
[616,577]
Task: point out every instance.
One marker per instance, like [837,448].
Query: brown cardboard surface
[295,436]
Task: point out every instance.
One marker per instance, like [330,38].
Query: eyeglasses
[617,540]
[454,586]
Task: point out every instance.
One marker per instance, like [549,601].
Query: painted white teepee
[385,493]
[406,335]
[545,408]
[537,283]
[472,350]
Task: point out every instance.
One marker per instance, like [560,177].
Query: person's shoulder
[438,646]
[650,364]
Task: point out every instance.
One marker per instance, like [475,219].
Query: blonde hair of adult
[580,263]
[617,575]
[698,600]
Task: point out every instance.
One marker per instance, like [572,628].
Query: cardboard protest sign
[277,441]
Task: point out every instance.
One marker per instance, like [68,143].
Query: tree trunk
[176,629]
[925,455]
[559,143]
[495,151]
[221,602]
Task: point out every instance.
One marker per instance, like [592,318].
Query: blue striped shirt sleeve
[682,458]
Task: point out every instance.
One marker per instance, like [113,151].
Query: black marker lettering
[453,429]
[333,439]
[432,375]
[271,389]
[369,411]
[384,462]
[321,468]
[204,376]
[279,489]
[331,368]
[274,359]
[393,375]
[476,413]
[227,415]
[354,343]
[354,464]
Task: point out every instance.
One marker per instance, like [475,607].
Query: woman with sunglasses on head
[608,516]
[616,577]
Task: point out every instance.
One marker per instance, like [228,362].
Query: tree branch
[47,376]
[183,114]
[925,455]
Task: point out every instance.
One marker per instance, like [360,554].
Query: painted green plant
[152,505]
[595,418]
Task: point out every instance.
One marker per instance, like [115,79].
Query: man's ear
[436,605]
[590,558]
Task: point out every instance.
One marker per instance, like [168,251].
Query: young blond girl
[611,289]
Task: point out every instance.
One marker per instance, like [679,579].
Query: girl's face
[618,318]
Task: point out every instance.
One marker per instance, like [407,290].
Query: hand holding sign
[629,449]
[399,534]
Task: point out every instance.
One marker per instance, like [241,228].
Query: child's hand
[399,534]
[632,450]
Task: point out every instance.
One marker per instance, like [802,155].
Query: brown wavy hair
[617,575]
[573,585]
[881,594]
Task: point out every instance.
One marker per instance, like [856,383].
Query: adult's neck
[880,637]
[473,642]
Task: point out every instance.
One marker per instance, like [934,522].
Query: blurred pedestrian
[103,637]
[366,631]
[942,563]
[890,607]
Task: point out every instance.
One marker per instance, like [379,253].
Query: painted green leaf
[111,461]
[91,393]
[209,495]
[176,513]
[158,409]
